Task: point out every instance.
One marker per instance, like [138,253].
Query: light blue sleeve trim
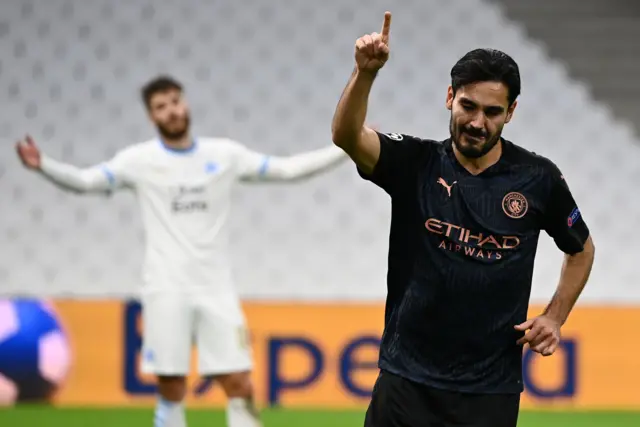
[265,166]
[110,176]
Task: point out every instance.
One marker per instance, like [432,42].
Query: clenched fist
[29,153]
[372,50]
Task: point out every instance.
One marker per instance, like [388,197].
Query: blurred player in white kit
[183,185]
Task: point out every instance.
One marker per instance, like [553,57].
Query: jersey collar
[179,151]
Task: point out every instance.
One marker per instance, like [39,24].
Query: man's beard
[174,134]
[472,151]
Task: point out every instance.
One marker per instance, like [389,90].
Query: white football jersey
[184,198]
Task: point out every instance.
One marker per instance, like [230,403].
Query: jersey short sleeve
[400,157]
[563,220]
[250,164]
[121,169]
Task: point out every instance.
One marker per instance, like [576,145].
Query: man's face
[479,111]
[169,112]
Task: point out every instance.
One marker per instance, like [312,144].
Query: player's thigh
[490,410]
[453,408]
[397,402]
[167,334]
[222,337]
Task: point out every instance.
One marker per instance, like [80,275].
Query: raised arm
[97,179]
[349,132]
[256,166]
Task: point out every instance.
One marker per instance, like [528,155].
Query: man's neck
[476,166]
[183,143]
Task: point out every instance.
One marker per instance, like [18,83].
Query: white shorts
[173,323]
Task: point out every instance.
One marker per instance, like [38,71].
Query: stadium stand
[597,40]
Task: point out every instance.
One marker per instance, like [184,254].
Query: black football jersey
[461,257]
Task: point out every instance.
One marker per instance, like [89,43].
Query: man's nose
[478,122]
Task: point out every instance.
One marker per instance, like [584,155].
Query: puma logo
[442,182]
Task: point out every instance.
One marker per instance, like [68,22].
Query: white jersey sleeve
[251,165]
[106,177]
[120,170]
[255,166]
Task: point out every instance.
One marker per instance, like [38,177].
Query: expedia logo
[478,245]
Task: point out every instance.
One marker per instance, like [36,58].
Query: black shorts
[397,402]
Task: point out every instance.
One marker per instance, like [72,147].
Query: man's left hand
[543,334]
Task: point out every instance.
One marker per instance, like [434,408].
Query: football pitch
[85,417]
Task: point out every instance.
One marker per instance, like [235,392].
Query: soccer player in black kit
[465,220]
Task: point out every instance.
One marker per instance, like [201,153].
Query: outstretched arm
[97,179]
[78,180]
[259,167]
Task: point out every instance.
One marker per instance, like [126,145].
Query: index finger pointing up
[386,26]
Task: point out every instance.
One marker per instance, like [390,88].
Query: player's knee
[237,385]
[172,389]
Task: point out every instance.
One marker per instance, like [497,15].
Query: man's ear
[450,95]
[510,111]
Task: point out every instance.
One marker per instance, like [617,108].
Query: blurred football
[34,352]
